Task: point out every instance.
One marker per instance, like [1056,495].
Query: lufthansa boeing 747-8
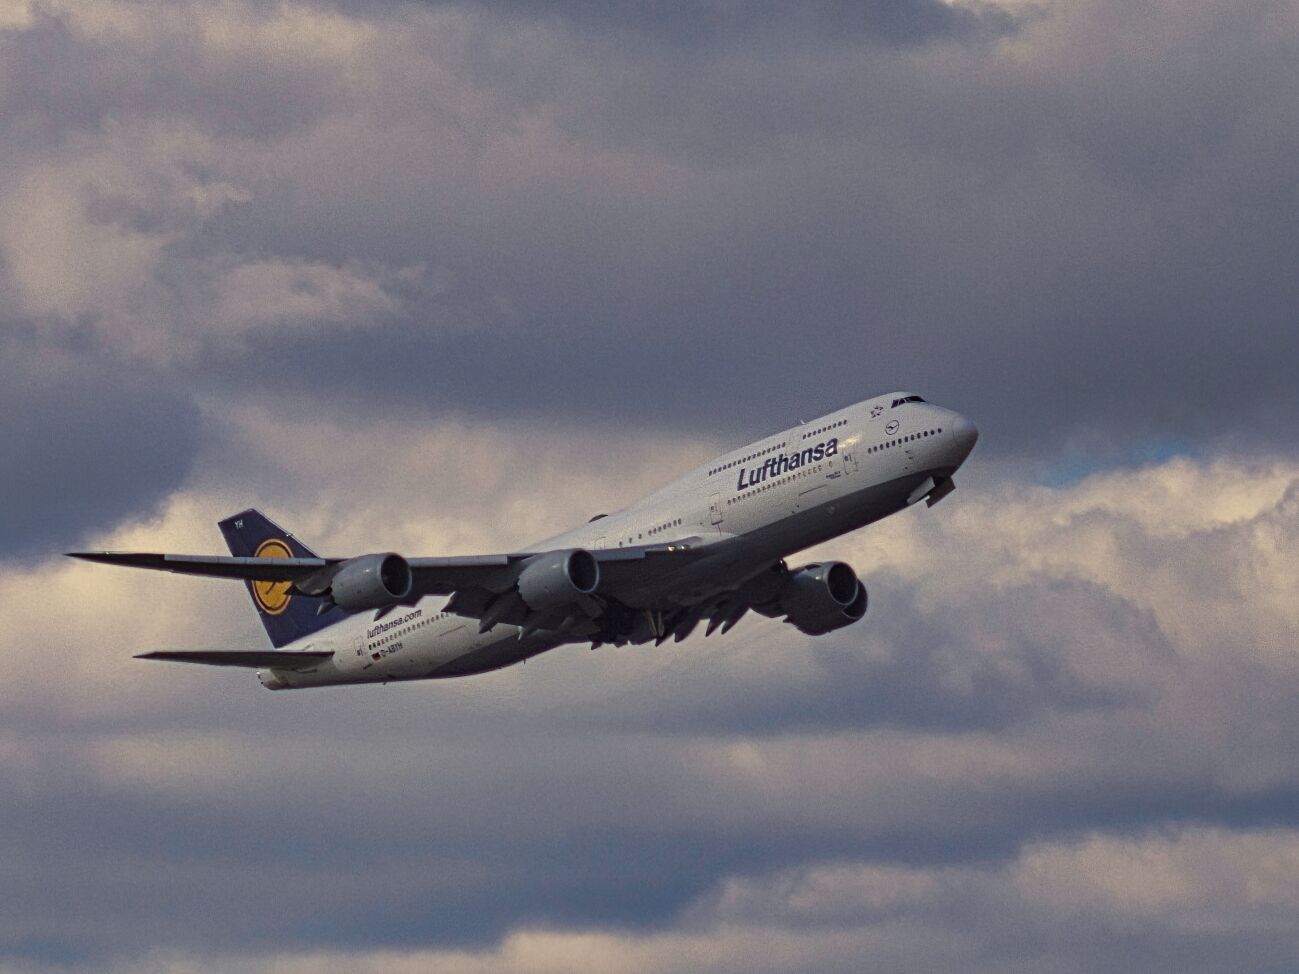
[706,549]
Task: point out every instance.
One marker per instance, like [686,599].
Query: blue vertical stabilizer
[286,615]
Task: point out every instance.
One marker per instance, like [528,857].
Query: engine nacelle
[558,578]
[371,582]
[821,598]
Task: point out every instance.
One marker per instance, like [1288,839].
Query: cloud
[1021,705]
[86,231]
[908,213]
[113,174]
[1200,881]
[447,278]
[94,244]
[81,451]
[978,213]
[287,292]
[720,24]
[826,917]
[245,70]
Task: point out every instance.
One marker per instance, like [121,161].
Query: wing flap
[491,574]
[442,576]
[262,659]
[634,565]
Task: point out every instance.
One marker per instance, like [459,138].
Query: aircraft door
[849,460]
[354,659]
[715,510]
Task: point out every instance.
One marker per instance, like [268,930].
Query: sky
[444,278]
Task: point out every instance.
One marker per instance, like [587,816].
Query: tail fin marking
[286,616]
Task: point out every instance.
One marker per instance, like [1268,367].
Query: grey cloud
[61,80]
[1086,261]
[85,446]
[717,23]
[1085,252]
[617,790]
[916,668]
[892,21]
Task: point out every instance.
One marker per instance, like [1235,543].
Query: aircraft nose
[966,434]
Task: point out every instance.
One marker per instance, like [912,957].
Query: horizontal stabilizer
[258,659]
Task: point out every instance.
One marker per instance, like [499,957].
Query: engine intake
[558,578]
[371,582]
[821,598]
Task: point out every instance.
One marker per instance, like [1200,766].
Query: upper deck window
[899,402]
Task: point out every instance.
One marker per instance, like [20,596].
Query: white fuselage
[750,507]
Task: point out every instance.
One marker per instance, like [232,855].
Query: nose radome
[966,434]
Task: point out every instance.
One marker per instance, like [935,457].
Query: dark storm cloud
[1084,252]
[893,21]
[84,446]
[1083,255]
[59,79]
[717,22]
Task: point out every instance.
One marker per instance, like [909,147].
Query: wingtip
[128,559]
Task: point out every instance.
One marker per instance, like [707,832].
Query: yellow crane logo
[273,597]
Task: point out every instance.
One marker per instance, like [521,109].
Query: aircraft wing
[464,574]
[432,576]
[214,566]
[261,659]
[445,576]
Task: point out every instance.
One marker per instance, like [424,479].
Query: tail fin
[286,616]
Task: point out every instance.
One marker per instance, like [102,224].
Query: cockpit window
[899,402]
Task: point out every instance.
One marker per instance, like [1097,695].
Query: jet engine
[371,582]
[821,598]
[558,578]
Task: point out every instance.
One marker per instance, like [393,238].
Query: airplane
[706,549]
